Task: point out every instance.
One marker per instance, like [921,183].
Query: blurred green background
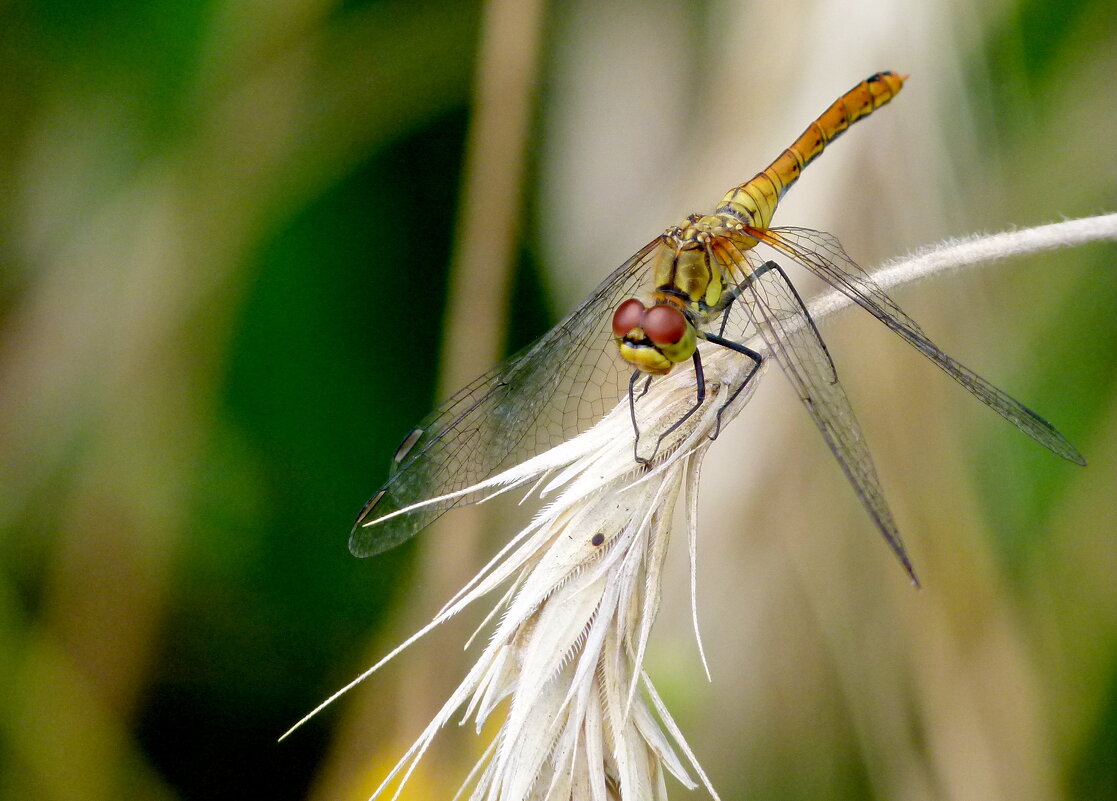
[226,239]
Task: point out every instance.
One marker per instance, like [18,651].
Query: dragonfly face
[654,339]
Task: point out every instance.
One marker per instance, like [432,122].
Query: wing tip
[915,582]
[358,547]
[361,544]
[892,537]
[1071,454]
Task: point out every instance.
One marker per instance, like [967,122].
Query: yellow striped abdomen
[755,202]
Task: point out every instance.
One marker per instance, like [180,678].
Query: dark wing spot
[368,507]
[407,444]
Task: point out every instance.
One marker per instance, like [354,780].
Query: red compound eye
[664,325]
[628,315]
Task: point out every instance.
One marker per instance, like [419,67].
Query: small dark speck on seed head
[598,538]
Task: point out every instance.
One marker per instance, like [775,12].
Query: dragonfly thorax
[684,267]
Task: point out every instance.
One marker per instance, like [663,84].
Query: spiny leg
[732,293]
[725,306]
[632,413]
[736,347]
[632,398]
[699,398]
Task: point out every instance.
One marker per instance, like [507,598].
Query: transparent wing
[823,255]
[557,387]
[779,314]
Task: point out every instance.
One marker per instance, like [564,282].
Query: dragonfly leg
[736,347]
[731,296]
[732,293]
[699,399]
[632,398]
[724,307]
[632,412]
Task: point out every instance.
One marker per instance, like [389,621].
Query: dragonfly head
[654,338]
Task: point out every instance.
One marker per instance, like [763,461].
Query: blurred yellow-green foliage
[225,239]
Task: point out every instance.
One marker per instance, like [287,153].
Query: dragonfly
[703,279]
